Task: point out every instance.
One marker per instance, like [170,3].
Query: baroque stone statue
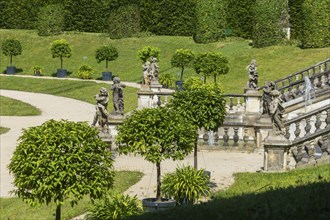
[276,111]
[266,97]
[253,75]
[150,71]
[101,107]
[118,96]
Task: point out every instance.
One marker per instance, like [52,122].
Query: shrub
[37,70]
[316,25]
[210,21]
[85,72]
[186,185]
[166,79]
[50,20]
[124,22]
[168,17]
[116,207]
[269,22]
[240,17]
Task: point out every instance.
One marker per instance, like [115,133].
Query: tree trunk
[195,153]
[61,62]
[215,78]
[181,76]
[106,65]
[58,212]
[11,60]
[158,196]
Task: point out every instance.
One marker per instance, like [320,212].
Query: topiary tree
[11,47]
[211,64]
[107,53]
[61,161]
[148,51]
[156,134]
[182,58]
[61,48]
[201,104]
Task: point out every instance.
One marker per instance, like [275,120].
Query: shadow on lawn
[301,202]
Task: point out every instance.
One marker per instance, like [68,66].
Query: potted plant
[182,58]
[166,80]
[85,72]
[11,47]
[37,70]
[107,53]
[61,48]
[156,134]
[186,185]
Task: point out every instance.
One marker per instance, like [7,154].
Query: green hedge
[210,21]
[316,26]
[50,20]
[269,22]
[296,18]
[240,17]
[124,22]
[168,17]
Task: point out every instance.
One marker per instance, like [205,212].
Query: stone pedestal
[144,98]
[275,152]
[252,100]
[106,137]
[113,121]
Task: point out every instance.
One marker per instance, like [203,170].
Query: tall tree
[156,134]
[201,104]
[61,161]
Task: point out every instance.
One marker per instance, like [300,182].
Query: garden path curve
[221,164]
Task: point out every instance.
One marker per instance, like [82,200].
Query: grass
[80,90]
[273,62]
[12,107]
[3,130]
[15,208]
[298,194]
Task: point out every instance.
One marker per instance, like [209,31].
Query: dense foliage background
[208,21]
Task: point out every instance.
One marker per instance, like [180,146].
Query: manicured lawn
[14,208]
[10,107]
[273,62]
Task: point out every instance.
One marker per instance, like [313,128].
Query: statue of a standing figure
[101,115]
[146,73]
[154,68]
[253,75]
[118,96]
[266,97]
[276,111]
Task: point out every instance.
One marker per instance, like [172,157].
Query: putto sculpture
[118,96]
[101,115]
[253,75]
[150,71]
[266,97]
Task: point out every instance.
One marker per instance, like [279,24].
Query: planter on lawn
[179,85]
[11,70]
[61,73]
[107,76]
